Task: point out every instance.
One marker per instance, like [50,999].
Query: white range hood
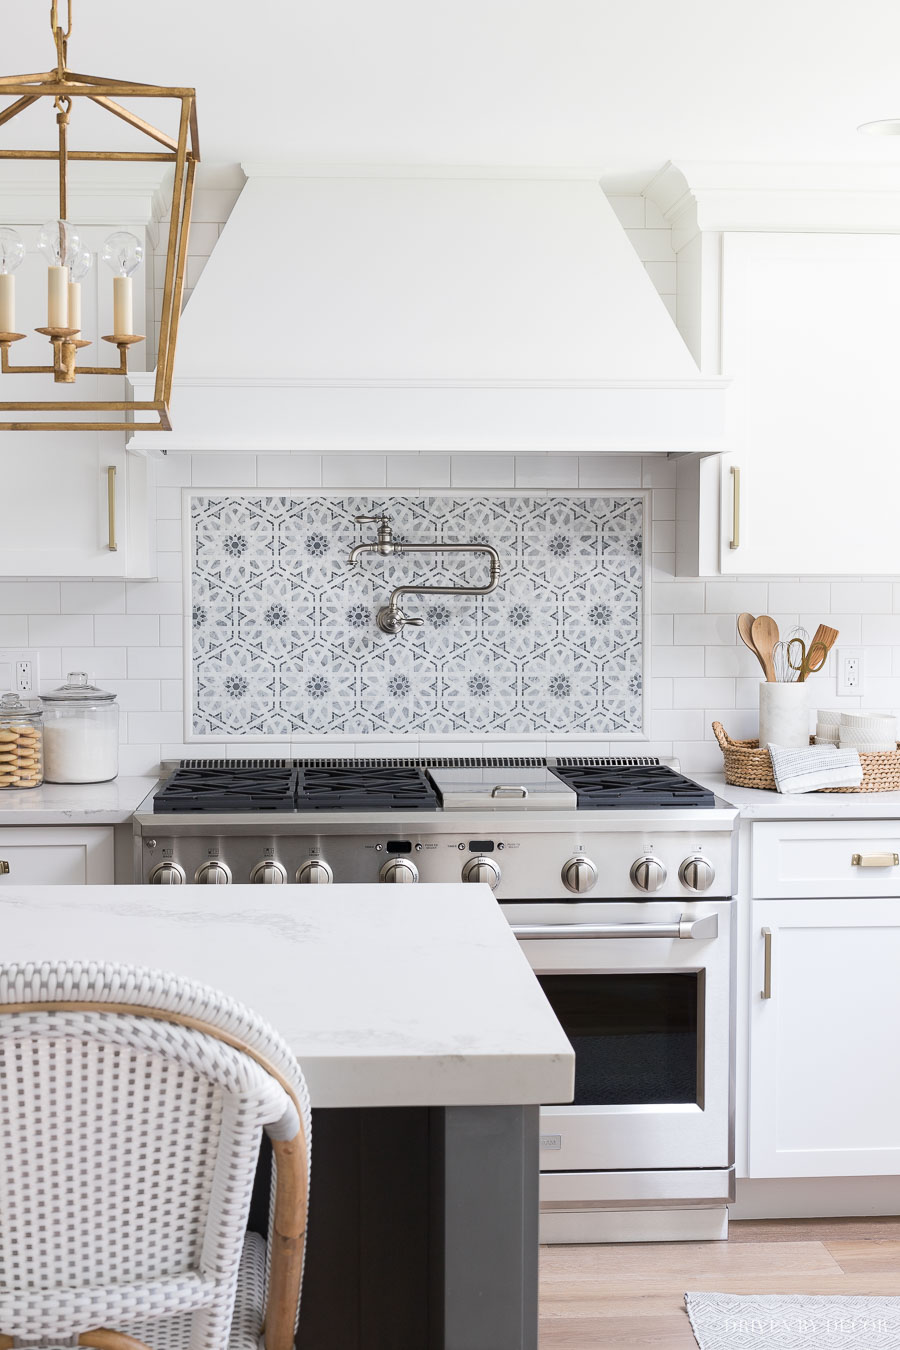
[432,310]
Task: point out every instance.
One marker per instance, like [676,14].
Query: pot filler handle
[698,929]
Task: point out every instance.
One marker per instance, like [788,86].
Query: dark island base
[423,1230]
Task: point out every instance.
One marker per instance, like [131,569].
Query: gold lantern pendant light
[68,261]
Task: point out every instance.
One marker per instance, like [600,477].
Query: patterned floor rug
[794,1322]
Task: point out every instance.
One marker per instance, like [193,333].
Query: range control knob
[213,874]
[697,873]
[268,873]
[315,872]
[579,875]
[167,874]
[399,870]
[482,869]
[648,873]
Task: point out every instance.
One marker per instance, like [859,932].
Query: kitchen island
[427,1046]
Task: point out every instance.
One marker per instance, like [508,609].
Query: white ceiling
[623,87]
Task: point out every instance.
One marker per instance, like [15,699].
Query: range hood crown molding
[431,309]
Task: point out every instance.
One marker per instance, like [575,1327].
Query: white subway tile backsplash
[880,630]
[546,471]
[861,597]
[168,503]
[677,660]
[787,595]
[154,597]
[138,760]
[705,629]
[482,471]
[60,630]
[418,471]
[92,597]
[129,630]
[676,724]
[168,567]
[171,630]
[135,695]
[154,726]
[737,597]
[661,629]
[13,631]
[682,597]
[29,597]
[101,663]
[664,504]
[154,663]
[217,471]
[731,660]
[289,471]
[168,536]
[700,693]
[171,695]
[609,471]
[354,471]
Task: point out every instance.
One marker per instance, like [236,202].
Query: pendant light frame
[65,87]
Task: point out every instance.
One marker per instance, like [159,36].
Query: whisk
[784,672]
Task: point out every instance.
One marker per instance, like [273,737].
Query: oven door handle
[707,927]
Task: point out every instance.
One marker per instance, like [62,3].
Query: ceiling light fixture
[68,261]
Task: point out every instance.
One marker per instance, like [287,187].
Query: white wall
[129,634]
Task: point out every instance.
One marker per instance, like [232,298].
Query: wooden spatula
[823,640]
[765,634]
[745,626]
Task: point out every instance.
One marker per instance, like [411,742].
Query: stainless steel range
[615,874]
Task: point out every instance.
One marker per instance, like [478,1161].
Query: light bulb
[59,242]
[12,250]
[82,265]
[123,253]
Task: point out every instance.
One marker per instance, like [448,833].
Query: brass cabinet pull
[735,507]
[876,860]
[4,867]
[111,507]
[767,967]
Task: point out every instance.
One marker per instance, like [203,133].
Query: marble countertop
[389,996]
[755,804]
[75,803]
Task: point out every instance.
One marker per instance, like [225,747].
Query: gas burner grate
[425,762]
[228,786]
[359,785]
[612,785]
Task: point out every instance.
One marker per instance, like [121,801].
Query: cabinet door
[825,1046]
[812,346]
[63,515]
[57,856]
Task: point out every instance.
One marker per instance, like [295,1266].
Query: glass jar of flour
[81,733]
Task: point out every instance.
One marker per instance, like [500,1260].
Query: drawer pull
[767,963]
[4,868]
[876,860]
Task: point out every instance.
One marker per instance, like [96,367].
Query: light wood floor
[630,1296]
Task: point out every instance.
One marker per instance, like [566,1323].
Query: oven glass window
[635,1037]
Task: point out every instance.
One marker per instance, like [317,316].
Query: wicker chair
[131,1109]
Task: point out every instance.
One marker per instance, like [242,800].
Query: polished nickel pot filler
[615,874]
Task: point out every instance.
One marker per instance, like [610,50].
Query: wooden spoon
[765,634]
[745,626]
[824,637]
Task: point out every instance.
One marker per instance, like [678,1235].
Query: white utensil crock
[784,714]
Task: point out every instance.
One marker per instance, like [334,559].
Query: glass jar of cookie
[21,743]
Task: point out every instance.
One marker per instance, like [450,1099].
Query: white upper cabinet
[811,343]
[803,322]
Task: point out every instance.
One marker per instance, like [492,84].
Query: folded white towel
[819,766]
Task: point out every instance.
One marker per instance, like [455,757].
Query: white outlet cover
[9,659]
[844,688]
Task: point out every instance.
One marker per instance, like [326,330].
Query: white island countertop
[74,803]
[389,996]
[757,804]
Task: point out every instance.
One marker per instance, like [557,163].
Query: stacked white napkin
[864,731]
[818,766]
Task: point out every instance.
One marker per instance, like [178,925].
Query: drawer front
[826,859]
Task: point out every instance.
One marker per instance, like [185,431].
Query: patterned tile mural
[284,638]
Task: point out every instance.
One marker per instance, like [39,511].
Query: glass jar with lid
[81,732]
[21,743]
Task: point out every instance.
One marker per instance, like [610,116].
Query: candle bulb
[12,251]
[57,297]
[123,307]
[75,305]
[7,303]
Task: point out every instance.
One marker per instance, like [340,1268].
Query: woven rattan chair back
[131,1108]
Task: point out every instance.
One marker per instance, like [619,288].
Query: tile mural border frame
[409,743]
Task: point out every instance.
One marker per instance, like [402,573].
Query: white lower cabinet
[825,1045]
[65,855]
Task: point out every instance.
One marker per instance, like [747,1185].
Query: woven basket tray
[746,765]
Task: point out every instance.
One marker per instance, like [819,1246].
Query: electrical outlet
[20,671]
[850,672]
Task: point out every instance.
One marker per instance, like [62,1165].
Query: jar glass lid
[11,705]
[77,689]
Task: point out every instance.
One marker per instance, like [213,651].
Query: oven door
[644,993]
